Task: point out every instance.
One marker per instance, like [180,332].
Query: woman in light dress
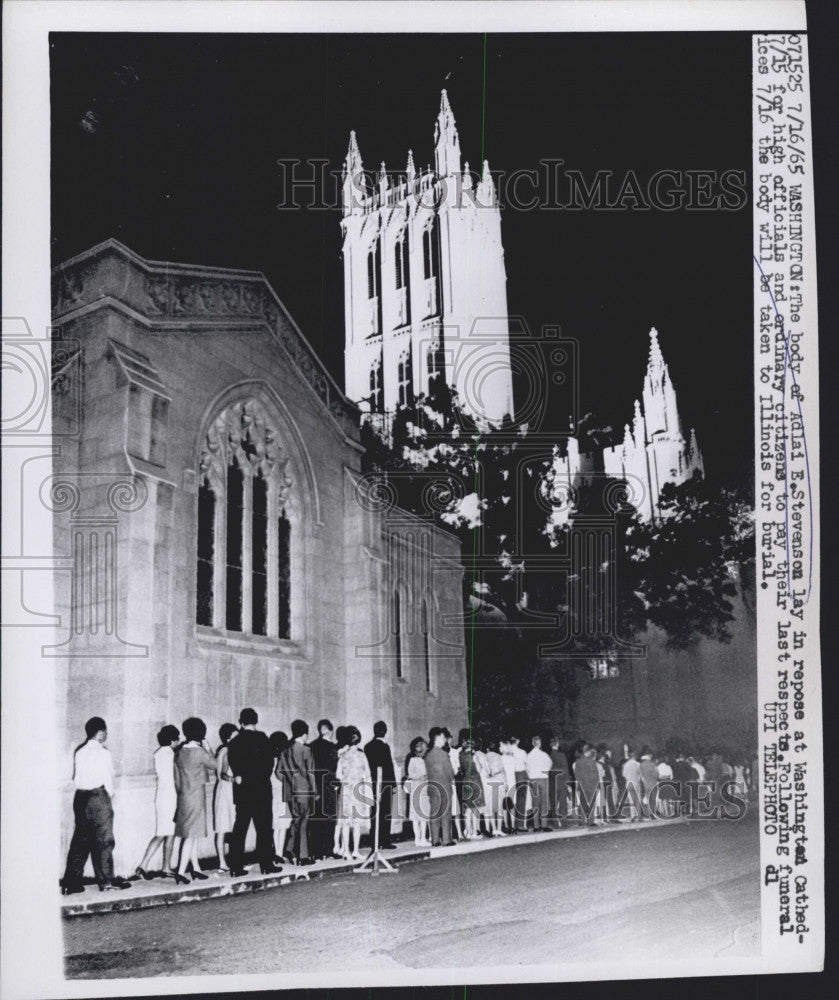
[416,787]
[281,804]
[224,812]
[600,800]
[193,766]
[495,788]
[356,794]
[165,803]
[340,741]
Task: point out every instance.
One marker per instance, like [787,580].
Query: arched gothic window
[373,290]
[373,271]
[206,544]
[376,391]
[403,279]
[429,250]
[397,632]
[404,379]
[426,641]
[243,566]
[401,260]
[435,362]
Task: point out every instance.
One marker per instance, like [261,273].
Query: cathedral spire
[486,187]
[695,460]
[384,184]
[660,409]
[354,184]
[446,140]
[467,177]
[410,169]
[656,360]
[638,429]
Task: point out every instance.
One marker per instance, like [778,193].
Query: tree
[689,560]
[677,572]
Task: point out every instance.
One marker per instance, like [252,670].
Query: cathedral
[218,544]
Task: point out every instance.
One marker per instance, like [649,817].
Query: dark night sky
[180,164]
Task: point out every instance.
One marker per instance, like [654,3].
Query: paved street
[676,890]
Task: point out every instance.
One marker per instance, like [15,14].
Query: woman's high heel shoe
[143,874]
[180,879]
[199,876]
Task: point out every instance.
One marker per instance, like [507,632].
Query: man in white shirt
[509,768]
[538,765]
[522,786]
[93,777]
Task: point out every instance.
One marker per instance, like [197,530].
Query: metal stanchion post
[374,857]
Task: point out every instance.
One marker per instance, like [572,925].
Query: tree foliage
[677,572]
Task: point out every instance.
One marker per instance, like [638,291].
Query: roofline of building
[170,268]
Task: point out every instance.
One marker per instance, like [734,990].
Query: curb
[221,886]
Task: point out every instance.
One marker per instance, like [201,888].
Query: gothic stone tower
[653,450]
[424,282]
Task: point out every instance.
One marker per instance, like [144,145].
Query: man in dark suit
[298,770]
[251,760]
[558,786]
[322,822]
[684,778]
[379,757]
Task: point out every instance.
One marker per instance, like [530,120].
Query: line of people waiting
[315,800]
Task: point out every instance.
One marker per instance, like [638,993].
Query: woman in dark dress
[471,788]
[194,764]
[280,799]
[587,776]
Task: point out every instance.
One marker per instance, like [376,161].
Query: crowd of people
[318,799]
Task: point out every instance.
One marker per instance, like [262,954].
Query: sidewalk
[163,892]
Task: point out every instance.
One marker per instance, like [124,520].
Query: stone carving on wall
[65,366]
[158,293]
[243,431]
[251,300]
[228,299]
[72,288]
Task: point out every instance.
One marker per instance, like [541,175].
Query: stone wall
[705,696]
